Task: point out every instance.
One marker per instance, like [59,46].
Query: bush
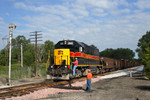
[42,68]
[25,72]
[147,69]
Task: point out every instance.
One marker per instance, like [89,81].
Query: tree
[146,55]
[2,57]
[16,44]
[143,43]
[120,53]
[29,55]
[144,52]
[40,52]
[93,46]
[48,45]
[28,51]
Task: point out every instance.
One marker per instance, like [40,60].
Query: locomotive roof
[79,43]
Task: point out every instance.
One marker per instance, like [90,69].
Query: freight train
[111,64]
[65,53]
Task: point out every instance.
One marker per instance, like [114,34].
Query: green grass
[26,72]
[42,68]
[4,69]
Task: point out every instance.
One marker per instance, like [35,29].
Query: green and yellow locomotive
[65,53]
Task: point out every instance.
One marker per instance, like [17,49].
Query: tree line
[28,51]
[120,53]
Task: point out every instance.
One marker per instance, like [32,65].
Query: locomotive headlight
[51,66]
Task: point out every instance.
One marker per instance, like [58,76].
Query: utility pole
[35,39]
[11,28]
[21,55]
[21,48]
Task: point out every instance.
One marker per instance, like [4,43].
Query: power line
[35,39]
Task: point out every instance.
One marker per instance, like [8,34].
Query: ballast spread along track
[29,88]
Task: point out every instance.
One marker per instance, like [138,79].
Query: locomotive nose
[62,56]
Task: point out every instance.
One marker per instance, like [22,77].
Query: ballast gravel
[44,93]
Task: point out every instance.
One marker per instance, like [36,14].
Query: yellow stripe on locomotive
[61,55]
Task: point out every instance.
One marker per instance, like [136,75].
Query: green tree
[48,45]
[93,46]
[40,52]
[144,52]
[143,43]
[2,57]
[120,53]
[16,47]
[146,55]
[29,55]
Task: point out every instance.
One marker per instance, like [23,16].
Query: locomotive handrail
[47,63]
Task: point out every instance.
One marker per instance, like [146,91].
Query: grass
[26,72]
[4,69]
[42,68]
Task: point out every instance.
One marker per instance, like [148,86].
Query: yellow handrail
[47,64]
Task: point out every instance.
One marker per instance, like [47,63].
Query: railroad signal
[11,28]
[35,39]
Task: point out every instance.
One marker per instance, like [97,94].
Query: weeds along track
[28,88]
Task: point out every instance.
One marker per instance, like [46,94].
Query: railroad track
[28,88]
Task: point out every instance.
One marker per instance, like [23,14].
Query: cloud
[1,19]
[143,4]
[20,5]
[106,4]
[104,23]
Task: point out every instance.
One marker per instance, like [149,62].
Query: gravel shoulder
[121,88]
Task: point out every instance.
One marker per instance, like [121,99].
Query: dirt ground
[122,88]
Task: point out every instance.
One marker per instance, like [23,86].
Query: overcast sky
[104,23]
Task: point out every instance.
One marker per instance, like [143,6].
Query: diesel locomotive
[65,53]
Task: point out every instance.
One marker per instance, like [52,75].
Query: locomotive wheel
[78,73]
[97,71]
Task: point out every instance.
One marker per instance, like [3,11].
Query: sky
[104,23]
